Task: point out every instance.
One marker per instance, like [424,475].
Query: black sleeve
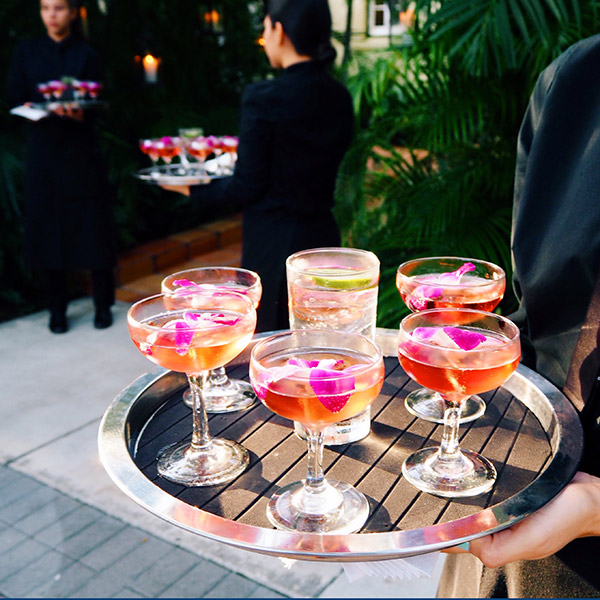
[93,66]
[17,90]
[250,180]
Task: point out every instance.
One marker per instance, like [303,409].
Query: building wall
[362,39]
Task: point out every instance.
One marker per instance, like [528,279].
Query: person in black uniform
[68,212]
[556,250]
[294,132]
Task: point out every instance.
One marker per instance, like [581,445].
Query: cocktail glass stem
[218,376]
[449,445]
[317,495]
[202,461]
[201,439]
[222,394]
[449,461]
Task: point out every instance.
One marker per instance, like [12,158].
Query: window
[380,17]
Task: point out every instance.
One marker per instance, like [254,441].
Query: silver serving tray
[181,174]
[83,104]
[551,408]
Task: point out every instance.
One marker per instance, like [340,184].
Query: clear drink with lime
[335,289]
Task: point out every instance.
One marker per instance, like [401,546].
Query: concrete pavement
[65,528]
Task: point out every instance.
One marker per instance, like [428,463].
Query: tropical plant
[431,169]
[204,67]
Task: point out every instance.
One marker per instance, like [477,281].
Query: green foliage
[201,75]
[431,168]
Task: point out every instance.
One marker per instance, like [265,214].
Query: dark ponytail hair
[308,25]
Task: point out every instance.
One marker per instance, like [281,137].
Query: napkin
[399,568]
[29,112]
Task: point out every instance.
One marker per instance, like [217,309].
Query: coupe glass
[221,394]
[167,148]
[192,334]
[448,282]
[197,147]
[335,288]
[45,89]
[457,352]
[317,377]
[148,147]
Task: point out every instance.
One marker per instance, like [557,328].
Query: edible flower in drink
[464,339]
[331,381]
[425,293]
[181,331]
[185,287]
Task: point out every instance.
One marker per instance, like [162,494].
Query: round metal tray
[530,431]
[181,174]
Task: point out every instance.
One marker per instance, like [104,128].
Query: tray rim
[164,178]
[555,412]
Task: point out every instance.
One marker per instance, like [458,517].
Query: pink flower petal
[327,363]
[422,295]
[330,382]
[332,388]
[423,333]
[183,337]
[463,338]
[456,275]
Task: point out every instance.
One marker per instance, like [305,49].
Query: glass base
[229,397]
[430,406]
[222,461]
[351,430]
[345,509]
[472,475]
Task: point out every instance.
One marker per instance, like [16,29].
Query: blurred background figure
[294,132]
[68,209]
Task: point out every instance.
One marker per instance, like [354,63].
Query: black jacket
[68,211]
[556,251]
[294,132]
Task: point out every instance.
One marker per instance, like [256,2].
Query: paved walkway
[65,528]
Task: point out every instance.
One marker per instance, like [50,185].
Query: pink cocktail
[192,338]
[448,282]
[167,148]
[457,353]
[221,394]
[317,378]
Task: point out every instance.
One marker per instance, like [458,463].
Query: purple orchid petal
[456,275]
[185,283]
[422,334]
[327,363]
[274,374]
[463,338]
[422,294]
[204,320]
[332,385]
[183,337]
[332,390]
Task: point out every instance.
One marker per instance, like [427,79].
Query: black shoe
[103,318]
[58,323]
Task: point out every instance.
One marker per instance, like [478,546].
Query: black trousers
[103,289]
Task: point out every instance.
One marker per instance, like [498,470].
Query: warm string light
[212,17]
